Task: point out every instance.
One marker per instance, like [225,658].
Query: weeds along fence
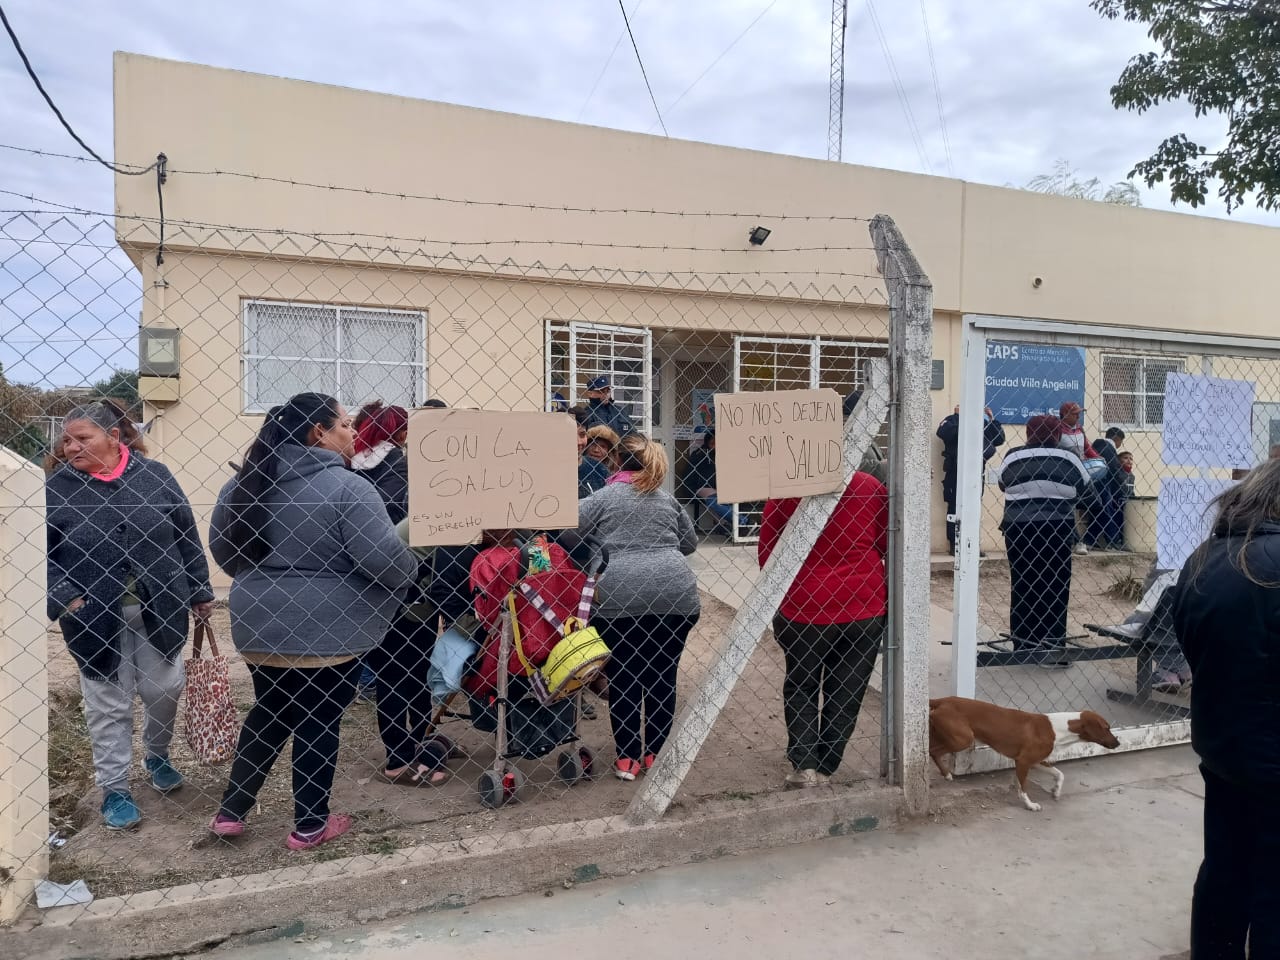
[227,323]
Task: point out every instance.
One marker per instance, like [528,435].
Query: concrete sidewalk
[1105,872]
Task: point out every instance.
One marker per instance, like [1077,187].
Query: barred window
[354,353]
[1133,390]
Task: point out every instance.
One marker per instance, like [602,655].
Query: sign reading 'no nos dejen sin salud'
[476,470]
[780,443]
[1025,380]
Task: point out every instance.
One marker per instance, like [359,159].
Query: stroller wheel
[569,766]
[491,789]
[588,760]
[513,781]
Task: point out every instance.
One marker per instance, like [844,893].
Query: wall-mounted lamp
[758,236]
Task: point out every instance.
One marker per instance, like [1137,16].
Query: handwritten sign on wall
[780,443]
[475,470]
[1208,421]
[1184,516]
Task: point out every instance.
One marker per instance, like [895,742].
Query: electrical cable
[600,76]
[644,73]
[22,54]
[937,87]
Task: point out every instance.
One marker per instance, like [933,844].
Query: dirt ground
[743,757]
[1103,586]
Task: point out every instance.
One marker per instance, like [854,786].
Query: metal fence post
[910,355]
[24,687]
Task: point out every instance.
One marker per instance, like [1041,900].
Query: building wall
[981,246]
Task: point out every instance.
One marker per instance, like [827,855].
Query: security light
[759,235]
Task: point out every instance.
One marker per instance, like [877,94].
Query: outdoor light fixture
[758,236]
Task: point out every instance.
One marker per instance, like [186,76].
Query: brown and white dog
[1027,739]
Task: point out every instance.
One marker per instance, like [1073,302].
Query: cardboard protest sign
[475,470]
[780,443]
[1208,421]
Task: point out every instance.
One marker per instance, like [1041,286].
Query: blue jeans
[722,511]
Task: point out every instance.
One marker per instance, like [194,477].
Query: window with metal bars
[1133,390]
[356,354]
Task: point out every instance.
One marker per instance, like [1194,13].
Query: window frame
[1139,397]
[249,404]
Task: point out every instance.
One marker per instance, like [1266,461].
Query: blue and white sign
[1025,380]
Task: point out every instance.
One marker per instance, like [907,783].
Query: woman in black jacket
[399,665]
[1226,612]
[125,570]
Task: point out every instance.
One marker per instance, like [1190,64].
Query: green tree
[1066,182]
[121,385]
[1222,57]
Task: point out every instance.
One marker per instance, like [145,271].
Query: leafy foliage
[1222,57]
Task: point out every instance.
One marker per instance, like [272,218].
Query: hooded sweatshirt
[337,573]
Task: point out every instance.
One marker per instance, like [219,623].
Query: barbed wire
[468,201]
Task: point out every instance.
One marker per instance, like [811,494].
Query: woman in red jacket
[830,625]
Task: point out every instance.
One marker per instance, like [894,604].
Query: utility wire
[912,127]
[22,54]
[600,76]
[627,21]
[937,87]
[711,66]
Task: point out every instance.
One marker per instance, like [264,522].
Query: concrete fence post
[24,687]
[910,357]
[754,616]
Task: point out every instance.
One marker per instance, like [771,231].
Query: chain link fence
[328,622]
[1080,512]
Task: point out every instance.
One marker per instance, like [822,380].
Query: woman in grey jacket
[648,600]
[125,567]
[318,575]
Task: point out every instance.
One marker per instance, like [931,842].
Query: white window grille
[577,353]
[1133,390]
[356,354]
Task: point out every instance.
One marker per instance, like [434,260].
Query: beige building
[376,246]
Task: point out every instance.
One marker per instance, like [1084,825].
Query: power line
[723,54]
[937,87]
[627,21]
[912,127]
[22,54]
[600,76]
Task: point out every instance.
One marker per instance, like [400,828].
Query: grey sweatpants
[108,705]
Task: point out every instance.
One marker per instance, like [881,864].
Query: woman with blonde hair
[648,597]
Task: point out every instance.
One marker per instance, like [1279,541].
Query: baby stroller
[525,595]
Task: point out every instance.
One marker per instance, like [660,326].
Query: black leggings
[404,699]
[307,704]
[642,677]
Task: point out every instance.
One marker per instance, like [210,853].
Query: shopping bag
[210,713]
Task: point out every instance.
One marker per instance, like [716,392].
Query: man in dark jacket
[700,477]
[1105,527]
[949,433]
[1226,612]
[602,410]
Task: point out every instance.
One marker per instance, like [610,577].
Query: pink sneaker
[225,827]
[336,826]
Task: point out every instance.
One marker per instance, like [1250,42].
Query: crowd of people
[324,587]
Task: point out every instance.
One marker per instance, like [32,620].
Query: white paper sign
[1184,515]
[1208,421]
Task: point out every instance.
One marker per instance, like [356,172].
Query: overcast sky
[1022,84]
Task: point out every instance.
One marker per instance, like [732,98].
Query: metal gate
[800,363]
[1117,654]
[577,353]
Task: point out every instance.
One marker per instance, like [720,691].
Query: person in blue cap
[603,411]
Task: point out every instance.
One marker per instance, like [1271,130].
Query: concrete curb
[284,903]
